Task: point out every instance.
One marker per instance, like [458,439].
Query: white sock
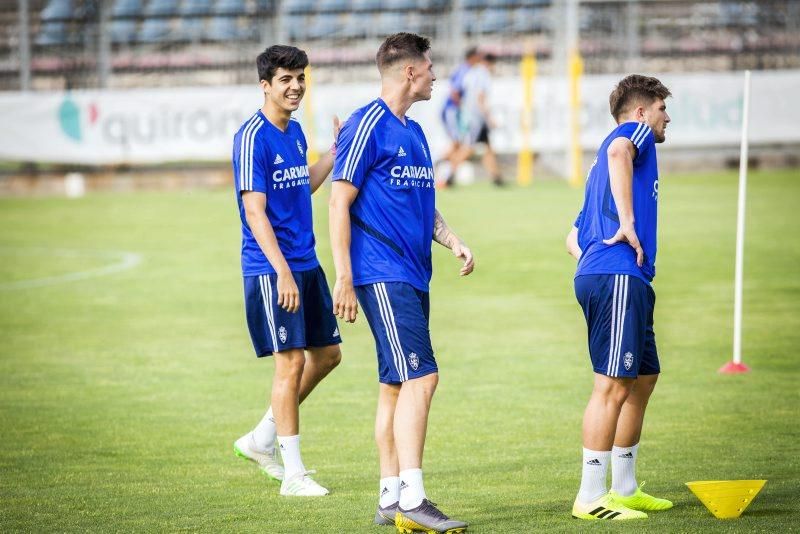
[290,452]
[265,432]
[390,491]
[411,489]
[593,480]
[623,470]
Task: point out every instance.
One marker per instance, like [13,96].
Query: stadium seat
[530,19]
[400,5]
[356,26]
[57,10]
[226,29]
[389,23]
[299,6]
[154,31]
[474,4]
[296,25]
[52,33]
[230,7]
[161,7]
[366,5]
[123,31]
[332,6]
[195,7]
[324,25]
[191,29]
[126,8]
[492,21]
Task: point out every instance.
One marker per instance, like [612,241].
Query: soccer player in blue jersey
[287,300]
[383,221]
[614,240]
[452,106]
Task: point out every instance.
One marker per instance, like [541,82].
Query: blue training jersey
[392,216]
[273,162]
[599,220]
[457,84]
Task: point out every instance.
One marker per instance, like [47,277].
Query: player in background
[476,120]
[450,112]
[614,240]
[287,299]
[383,221]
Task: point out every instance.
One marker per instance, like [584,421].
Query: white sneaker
[302,485]
[267,461]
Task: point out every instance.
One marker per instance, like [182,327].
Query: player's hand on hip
[627,234]
[462,251]
[345,305]
[288,294]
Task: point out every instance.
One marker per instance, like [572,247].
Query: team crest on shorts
[628,361]
[413,360]
[283,335]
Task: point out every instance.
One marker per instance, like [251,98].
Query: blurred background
[110,86]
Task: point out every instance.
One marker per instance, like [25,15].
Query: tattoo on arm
[442,233]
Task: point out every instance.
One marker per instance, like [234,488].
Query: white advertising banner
[145,126]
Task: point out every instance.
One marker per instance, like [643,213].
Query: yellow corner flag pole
[310,124]
[525,158]
[576,159]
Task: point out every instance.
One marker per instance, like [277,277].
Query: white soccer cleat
[267,461]
[302,485]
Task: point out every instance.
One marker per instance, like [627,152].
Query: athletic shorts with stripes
[273,329]
[398,316]
[619,315]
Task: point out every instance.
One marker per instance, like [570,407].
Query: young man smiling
[287,300]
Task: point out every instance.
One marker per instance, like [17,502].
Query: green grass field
[121,395]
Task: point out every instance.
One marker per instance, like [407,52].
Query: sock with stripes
[593,479]
[623,470]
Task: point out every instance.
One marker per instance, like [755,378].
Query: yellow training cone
[726,499]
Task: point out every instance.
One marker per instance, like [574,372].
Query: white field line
[124,261]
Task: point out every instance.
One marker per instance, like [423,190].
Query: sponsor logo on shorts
[282,334]
[628,361]
[336,332]
[413,361]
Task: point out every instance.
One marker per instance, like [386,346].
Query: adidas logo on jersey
[278,160]
[401,153]
[299,148]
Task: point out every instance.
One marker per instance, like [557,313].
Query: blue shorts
[619,313]
[450,121]
[273,329]
[398,315]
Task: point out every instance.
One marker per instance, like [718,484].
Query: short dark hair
[401,46]
[279,56]
[635,88]
[471,51]
[490,58]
